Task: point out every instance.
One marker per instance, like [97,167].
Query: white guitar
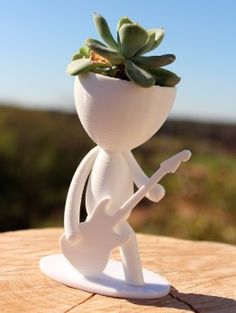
[91,253]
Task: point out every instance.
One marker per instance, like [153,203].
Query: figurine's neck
[112,152]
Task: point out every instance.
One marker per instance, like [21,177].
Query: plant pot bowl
[117,114]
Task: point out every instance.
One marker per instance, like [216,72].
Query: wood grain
[203,276]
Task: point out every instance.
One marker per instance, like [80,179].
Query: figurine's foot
[110,283]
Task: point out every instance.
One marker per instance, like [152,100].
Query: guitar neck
[141,192]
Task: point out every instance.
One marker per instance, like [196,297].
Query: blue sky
[38,38]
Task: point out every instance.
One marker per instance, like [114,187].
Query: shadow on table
[197,303]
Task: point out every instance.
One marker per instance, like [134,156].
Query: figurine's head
[119,115]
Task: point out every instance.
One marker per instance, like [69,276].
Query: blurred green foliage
[39,152]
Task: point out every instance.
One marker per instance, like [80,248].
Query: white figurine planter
[118,116]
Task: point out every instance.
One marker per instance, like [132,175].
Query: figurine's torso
[110,177]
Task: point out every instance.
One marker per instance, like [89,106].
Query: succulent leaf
[164,77]
[108,53]
[160,33]
[167,82]
[123,20]
[94,41]
[77,55]
[83,52]
[138,75]
[163,72]
[79,66]
[148,46]
[118,41]
[132,38]
[149,62]
[104,31]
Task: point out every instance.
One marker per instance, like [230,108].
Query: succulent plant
[125,58]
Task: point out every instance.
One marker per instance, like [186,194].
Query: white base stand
[110,283]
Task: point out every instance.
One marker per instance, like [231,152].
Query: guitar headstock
[172,164]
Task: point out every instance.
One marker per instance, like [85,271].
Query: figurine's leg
[130,258]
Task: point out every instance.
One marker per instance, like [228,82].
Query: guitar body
[89,259]
[90,254]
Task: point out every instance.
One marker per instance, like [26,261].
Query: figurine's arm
[73,200]
[140,178]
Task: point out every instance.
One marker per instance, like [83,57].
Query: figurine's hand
[156,193]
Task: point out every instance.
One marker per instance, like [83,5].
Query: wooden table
[203,276]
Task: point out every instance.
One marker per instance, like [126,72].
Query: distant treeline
[220,134]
